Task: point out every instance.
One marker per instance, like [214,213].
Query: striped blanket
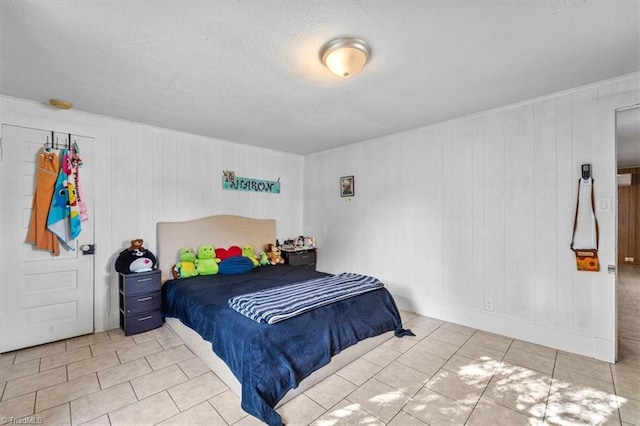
[280,303]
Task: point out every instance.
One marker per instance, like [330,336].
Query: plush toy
[274,254]
[264,260]
[222,253]
[234,251]
[136,245]
[186,268]
[247,251]
[206,262]
[236,265]
[135,258]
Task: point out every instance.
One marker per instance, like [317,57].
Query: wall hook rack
[54,143]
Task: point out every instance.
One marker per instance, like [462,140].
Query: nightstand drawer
[134,324]
[300,258]
[141,282]
[141,303]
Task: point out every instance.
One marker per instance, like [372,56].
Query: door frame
[606,134]
[617,110]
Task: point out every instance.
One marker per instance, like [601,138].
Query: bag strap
[593,210]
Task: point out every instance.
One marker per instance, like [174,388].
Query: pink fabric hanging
[82,206]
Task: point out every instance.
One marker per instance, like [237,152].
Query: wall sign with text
[232,182]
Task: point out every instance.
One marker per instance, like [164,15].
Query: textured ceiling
[248,71]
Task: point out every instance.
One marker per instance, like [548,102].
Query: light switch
[603,204]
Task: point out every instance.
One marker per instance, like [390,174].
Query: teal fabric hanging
[64,214]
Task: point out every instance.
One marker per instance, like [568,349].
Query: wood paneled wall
[145,174]
[478,212]
[629,218]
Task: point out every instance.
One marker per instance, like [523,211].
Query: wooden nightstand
[140,302]
[301,257]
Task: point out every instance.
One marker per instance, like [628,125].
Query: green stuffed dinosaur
[247,251]
[186,267]
[206,262]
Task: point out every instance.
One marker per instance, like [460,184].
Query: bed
[264,364]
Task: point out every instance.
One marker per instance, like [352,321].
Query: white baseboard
[565,340]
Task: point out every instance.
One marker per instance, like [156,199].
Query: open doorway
[628,168]
[628,225]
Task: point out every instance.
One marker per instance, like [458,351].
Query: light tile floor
[447,374]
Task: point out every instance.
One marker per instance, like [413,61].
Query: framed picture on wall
[347,186]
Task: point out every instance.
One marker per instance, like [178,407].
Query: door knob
[88,249]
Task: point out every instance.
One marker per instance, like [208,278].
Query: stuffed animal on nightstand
[206,262]
[274,254]
[135,258]
[186,268]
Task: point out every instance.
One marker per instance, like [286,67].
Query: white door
[43,298]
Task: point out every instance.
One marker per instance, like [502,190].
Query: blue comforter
[269,360]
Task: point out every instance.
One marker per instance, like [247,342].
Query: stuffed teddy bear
[136,244]
[206,262]
[247,251]
[274,254]
[187,266]
[135,258]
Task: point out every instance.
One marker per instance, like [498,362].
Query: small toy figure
[274,254]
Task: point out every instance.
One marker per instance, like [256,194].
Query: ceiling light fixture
[60,103]
[345,56]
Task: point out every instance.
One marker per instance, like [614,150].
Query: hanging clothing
[585,232]
[46,174]
[584,242]
[82,206]
[75,223]
[59,221]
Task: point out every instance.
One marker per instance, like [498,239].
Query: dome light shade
[60,103]
[345,56]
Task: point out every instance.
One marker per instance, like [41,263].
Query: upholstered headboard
[221,231]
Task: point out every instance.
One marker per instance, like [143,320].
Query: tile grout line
[615,392]
[425,385]
[489,382]
[455,353]
[439,369]
[553,373]
[373,377]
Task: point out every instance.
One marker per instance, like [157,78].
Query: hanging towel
[82,206]
[58,221]
[75,223]
[46,174]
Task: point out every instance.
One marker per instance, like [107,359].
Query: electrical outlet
[488,305]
